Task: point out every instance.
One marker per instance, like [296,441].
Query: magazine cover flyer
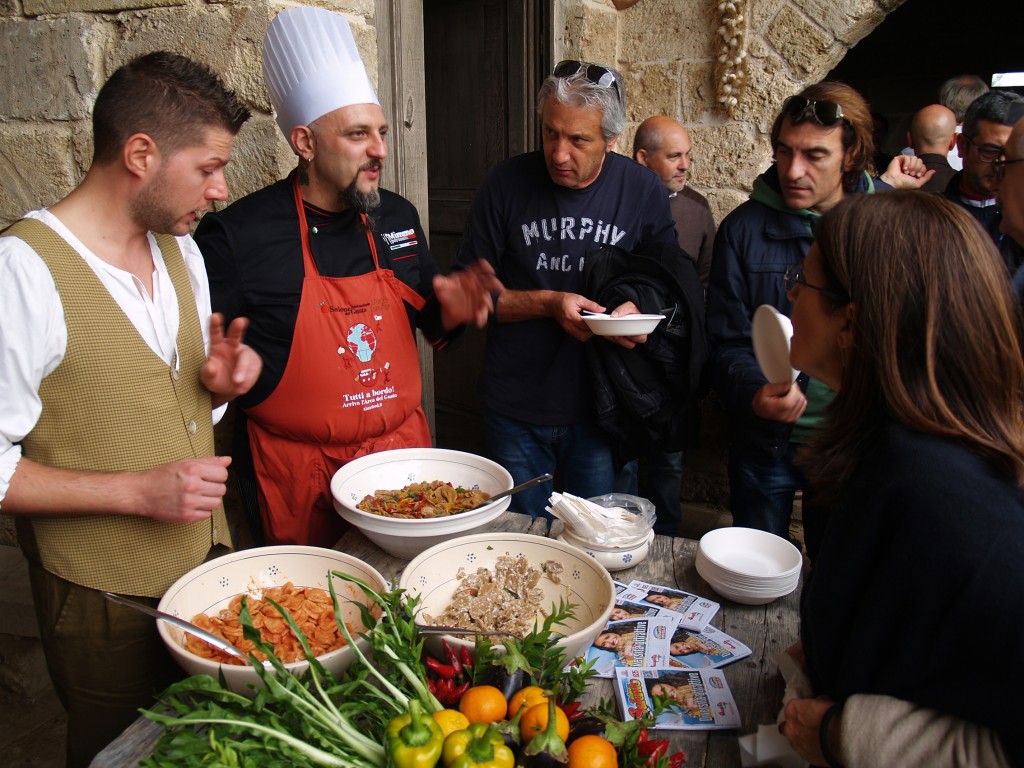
[632,643]
[695,612]
[627,609]
[699,698]
[710,648]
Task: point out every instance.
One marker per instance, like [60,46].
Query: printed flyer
[699,699]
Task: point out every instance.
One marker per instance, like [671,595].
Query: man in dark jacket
[823,149]
[987,127]
[535,218]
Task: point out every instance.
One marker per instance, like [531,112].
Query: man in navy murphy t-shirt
[535,218]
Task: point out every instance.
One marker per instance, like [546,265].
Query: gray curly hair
[577,90]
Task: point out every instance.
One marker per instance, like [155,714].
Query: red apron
[351,387]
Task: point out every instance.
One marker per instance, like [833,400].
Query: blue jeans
[761,489]
[578,455]
[657,477]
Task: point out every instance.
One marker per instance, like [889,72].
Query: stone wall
[55,55]
[667,51]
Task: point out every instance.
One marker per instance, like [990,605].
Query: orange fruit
[483,704]
[450,721]
[535,720]
[592,751]
[525,697]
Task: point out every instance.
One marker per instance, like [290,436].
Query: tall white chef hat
[312,67]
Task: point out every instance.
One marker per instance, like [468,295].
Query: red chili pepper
[653,749]
[446,671]
[444,691]
[676,759]
[573,711]
[467,657]
[451,654]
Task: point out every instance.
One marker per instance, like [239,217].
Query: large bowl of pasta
[409,499]
[295,577]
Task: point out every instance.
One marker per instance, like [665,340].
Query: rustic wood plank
[754,681]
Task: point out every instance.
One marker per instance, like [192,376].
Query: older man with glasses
[987,126]
[823,150]
[535,218]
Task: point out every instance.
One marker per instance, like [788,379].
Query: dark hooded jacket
[649,395]
[754,246]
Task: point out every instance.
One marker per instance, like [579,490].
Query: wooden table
[754,681]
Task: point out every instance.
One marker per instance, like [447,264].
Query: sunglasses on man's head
[594,74]
[800,108]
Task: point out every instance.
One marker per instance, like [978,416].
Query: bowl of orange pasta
[294,577]
[409,499]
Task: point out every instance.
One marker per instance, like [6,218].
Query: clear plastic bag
[612,520]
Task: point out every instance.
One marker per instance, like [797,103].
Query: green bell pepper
[479,746]
[414,739]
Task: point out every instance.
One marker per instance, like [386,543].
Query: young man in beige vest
[110,367]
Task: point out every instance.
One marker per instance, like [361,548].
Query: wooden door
[483,63]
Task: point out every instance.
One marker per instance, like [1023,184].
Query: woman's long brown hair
[936,339]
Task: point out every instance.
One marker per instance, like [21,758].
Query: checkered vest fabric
[112,405]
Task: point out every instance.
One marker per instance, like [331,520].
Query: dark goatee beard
[364,202]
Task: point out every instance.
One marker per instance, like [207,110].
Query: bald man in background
[663,145]
[932,135]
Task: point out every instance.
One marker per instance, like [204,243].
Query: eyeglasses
[594,74]
[999,166]
[987,153]
[794,276]
[800,108]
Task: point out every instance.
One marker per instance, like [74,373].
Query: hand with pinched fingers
[467,295]
[183,491]
[906,172]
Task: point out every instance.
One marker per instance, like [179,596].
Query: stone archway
[667,49]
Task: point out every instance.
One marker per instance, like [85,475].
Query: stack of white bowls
[748,566]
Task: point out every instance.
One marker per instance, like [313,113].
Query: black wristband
[826,721]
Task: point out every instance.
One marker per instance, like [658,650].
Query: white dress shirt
[33,335]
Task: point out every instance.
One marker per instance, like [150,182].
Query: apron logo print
[362,342]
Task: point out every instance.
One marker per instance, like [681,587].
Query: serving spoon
[431,629]
[217,642]
[515,489]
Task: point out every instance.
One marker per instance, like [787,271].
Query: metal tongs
[217,642]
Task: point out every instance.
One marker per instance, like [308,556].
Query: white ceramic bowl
[747,565]
[750,552]
[627,325]
[209,588]
[612,558]
[391,470]
[584,582]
